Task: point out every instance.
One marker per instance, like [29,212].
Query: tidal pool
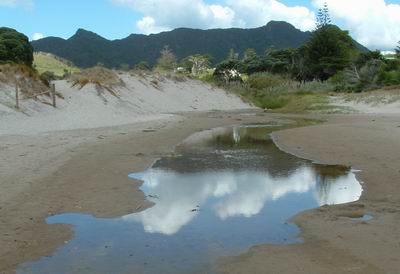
[223,191]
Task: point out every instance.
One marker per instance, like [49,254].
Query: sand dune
[142,98]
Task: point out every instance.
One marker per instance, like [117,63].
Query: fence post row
[16,94]
[53,94]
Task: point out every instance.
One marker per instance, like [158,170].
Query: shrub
[269,101]
[15,47]
[28,79]
[265,81]
[143,65]
[100,76]
[228,71]
[48,76]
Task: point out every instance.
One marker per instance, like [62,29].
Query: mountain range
[86,49]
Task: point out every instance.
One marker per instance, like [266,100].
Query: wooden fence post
[53,94]
[16,94]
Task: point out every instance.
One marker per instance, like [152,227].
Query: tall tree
[323,17]
[167,60]
[398,50]
[329,50]
[200,63]
[250,54]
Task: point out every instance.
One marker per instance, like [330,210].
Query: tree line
[330,54]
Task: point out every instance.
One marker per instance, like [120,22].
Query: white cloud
[37,36]
[255,13]
[170,14]
[14,3]
[374,23]
[148,25]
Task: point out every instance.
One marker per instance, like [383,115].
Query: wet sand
[83,171]
[86,171]
[333,242]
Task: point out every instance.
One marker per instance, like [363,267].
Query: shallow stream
[223,191]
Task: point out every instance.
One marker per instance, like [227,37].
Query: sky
[373,23]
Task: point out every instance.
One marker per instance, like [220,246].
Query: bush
[270,101]
[373,74]
[265,81]
[389,78]
[28,79]
[143,65]
[228,71]
[15,47]
[100,76]
[47,77]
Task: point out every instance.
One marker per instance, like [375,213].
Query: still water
[222,191]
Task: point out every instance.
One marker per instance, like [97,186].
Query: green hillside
[86,49]
[47,62]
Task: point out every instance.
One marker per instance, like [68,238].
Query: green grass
[276,93]
[47,62]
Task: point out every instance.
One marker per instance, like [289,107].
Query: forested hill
[86,49]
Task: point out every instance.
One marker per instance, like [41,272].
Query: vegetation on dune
[284,79]
[16,58]
[100,76]
[142,66]
[15,47]
[277,92]
[302,79]
[29,81]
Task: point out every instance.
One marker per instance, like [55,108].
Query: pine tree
[323,17]
[398,50]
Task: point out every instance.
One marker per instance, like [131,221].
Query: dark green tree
[15,47]
[329,50]
[364,57]
[251,62]
[398,50]
[250,54]
[281,60]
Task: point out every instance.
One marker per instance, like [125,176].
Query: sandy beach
[85,171]
[81,169]
[333,242]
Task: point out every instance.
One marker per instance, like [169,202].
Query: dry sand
[85,170]
[141,99]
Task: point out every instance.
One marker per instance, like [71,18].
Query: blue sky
[377,24]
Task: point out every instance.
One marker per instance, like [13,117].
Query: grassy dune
[47,62]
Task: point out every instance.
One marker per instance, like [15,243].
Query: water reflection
[181,196]
[237,171]
[223,191]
